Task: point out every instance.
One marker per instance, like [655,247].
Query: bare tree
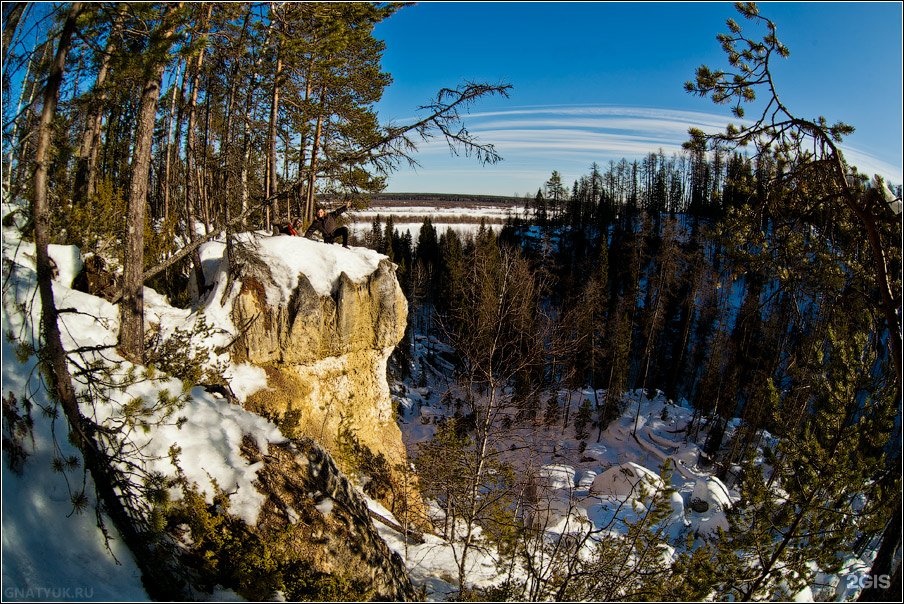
[494,329]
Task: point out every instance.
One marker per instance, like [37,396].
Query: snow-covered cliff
[321,321]
[246,505]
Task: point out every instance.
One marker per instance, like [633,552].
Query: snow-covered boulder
[709,500]
[596,452]
[557,476]
[710,493]
[585,479]
[626,481]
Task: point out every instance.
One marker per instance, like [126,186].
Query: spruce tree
[582,421]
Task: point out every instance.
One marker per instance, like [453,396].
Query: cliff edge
[322,321]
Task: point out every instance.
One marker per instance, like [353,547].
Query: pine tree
[556,194]
[809,153]
[825,483]
[374,239]
[389,233]
[582,421]
[131,307]
[660,290]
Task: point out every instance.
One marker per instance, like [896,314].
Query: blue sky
[599,81]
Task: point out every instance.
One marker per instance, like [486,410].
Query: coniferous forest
[755,276]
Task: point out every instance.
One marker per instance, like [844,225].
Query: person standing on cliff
[328,225]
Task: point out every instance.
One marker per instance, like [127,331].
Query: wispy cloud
[538,139]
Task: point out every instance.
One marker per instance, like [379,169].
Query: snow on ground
[50,550]
[437,213]
[462,229]
[432,564]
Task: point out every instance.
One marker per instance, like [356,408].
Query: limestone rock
[364,316]
[325,356]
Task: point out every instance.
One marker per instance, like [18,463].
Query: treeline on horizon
[442,198]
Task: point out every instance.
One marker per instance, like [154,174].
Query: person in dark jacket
[328,225]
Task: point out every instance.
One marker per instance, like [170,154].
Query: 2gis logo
[868,581]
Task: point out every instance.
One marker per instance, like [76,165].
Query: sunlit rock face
[325,356]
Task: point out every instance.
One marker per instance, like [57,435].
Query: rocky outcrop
[314,516]
[312,540]
[321,321]
[362,317]
[325,352]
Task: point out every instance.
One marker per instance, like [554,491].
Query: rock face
[363,317]
[313,515]
[312,541]
[325,356]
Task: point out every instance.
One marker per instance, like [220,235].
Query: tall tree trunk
[303,212]
[171,142]
[179,104]
[315,151]
[86,164]
[56,368]
[270,177]
[246,145]
[12,14]
[131,307]
[226,147]
[885,574]
[208,213]
[191,169]
[24,147]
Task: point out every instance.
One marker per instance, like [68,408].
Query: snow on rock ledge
[321,321]
[300,301]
